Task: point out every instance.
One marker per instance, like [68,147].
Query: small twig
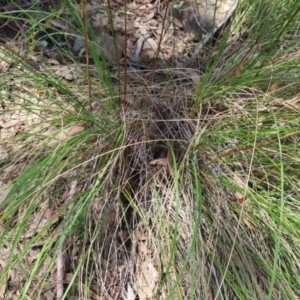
[190,62]
[60,274]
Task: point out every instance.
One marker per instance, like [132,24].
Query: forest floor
[129,171]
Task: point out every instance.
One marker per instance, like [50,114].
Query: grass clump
[184,190]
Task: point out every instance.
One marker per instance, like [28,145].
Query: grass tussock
[185,188]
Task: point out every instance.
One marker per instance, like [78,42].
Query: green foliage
[207,180]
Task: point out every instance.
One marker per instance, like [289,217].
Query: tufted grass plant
[181,190]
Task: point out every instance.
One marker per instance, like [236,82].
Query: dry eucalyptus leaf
[143,28]
[194,75]
[69,72]
[78,43]
[63,135]
[150,47]
[250,225]
[140,235]
[146,280]
[149,16]
[4,62]
[3,287]
[129,294]
[240,197]
[132,5]
[160,161]
[144,1]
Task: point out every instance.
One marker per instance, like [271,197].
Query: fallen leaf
[4,63]
[149,50]
[149,16]
[160,161]
[69,72]
[274,87]
[240,197]
[129,294]
[140,235]
[3,286]
[146,280]
[250,225]
[63,135]
[150,43]
[194,75]
[143,28]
